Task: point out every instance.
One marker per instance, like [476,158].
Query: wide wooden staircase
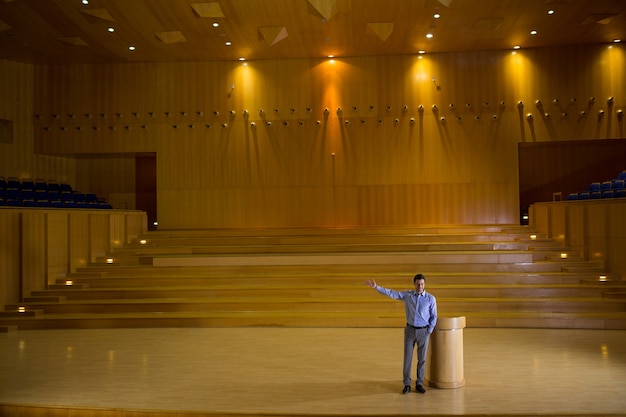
[495,276]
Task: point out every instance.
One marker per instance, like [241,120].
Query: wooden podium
[444,362]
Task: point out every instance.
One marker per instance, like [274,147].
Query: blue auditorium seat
[622,175]
[14,184]
[54,186]
[619,193]
[28,184]
[14,203]
[3,183]
[583,196]
[29,203]
[57,204]
[41,185]
[66,188]
[44,203]
[607,194]
[595,194]
[606,185]
[617,184]
[572,196]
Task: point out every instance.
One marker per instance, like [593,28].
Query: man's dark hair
[419,276]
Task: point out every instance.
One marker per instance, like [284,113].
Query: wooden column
[444,367]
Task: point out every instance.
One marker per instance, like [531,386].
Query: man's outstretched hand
[371,283]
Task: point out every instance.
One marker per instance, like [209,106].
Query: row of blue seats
[42,193]
[615,188]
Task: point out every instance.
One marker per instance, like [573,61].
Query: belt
[422,327]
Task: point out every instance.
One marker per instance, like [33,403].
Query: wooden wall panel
[57,244]
[34,252]
[10,247]
[357,166]
[78,243]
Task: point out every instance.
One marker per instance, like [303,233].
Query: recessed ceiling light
[331,56]
[216,25]
[516,47]
[533,32]
[242,59]
[85,2]
[436,15]
[131,48]
[617,40]
[227,43]
[421,51]
[111,29]
[429,35]
[550,12]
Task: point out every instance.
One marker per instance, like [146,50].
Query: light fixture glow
[602,278]
[429,35]
[109,260]
[550,12]
[564,256]
[69,282]
[533,237]
[111,29]
[143,241]
[516,47]
[617,40]
[242,59]
[131,48]
[216,25]
[21,309]
[85,2]
[421,52]
[227,43]
[533,32]
[436,15]
[331,56]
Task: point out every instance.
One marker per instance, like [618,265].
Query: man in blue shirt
[421,317]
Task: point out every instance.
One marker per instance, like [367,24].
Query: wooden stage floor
[303,371]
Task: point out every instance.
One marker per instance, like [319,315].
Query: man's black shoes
[407,389]
[419,389]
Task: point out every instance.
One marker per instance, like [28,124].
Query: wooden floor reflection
[307,371]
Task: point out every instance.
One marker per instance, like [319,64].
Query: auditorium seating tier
[495,276]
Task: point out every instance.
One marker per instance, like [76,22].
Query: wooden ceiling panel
[31,28]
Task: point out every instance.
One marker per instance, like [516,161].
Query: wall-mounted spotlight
[175,126]
[459,119]
[396,121]
[136,114]
[318,122]
[538,103]
[564,115]
[520,105]
[71,116]
[326,111]
[96,128]
[620,114]
[208,126]
[199,113]
[591,101]
[183,113]
[502,104]
[111,127]
[362,121]
[420,109]
[477,117]
[144,127]
[451,106]
[216,113]
[63,128]
[388,108]
[372,107]
[150,113]
[190,125]
[600,114]
[412,120]
[435,108]
[339,111]
[308,109]
[245,113]
[276,110]
[55,116]
[269,124]
[443,120]
[119,115]
[582,114]
[261,111]
[354,108]
[405,108]
[300,122]
[380,121]
[252,124]
[609,101]
[555,101]
[572,100]
[224,124]
[546,115]
[79,128]
[285,123]
[529,117]
[232,112]
[347,122]
[167,114]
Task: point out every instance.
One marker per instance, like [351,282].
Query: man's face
[419,285]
